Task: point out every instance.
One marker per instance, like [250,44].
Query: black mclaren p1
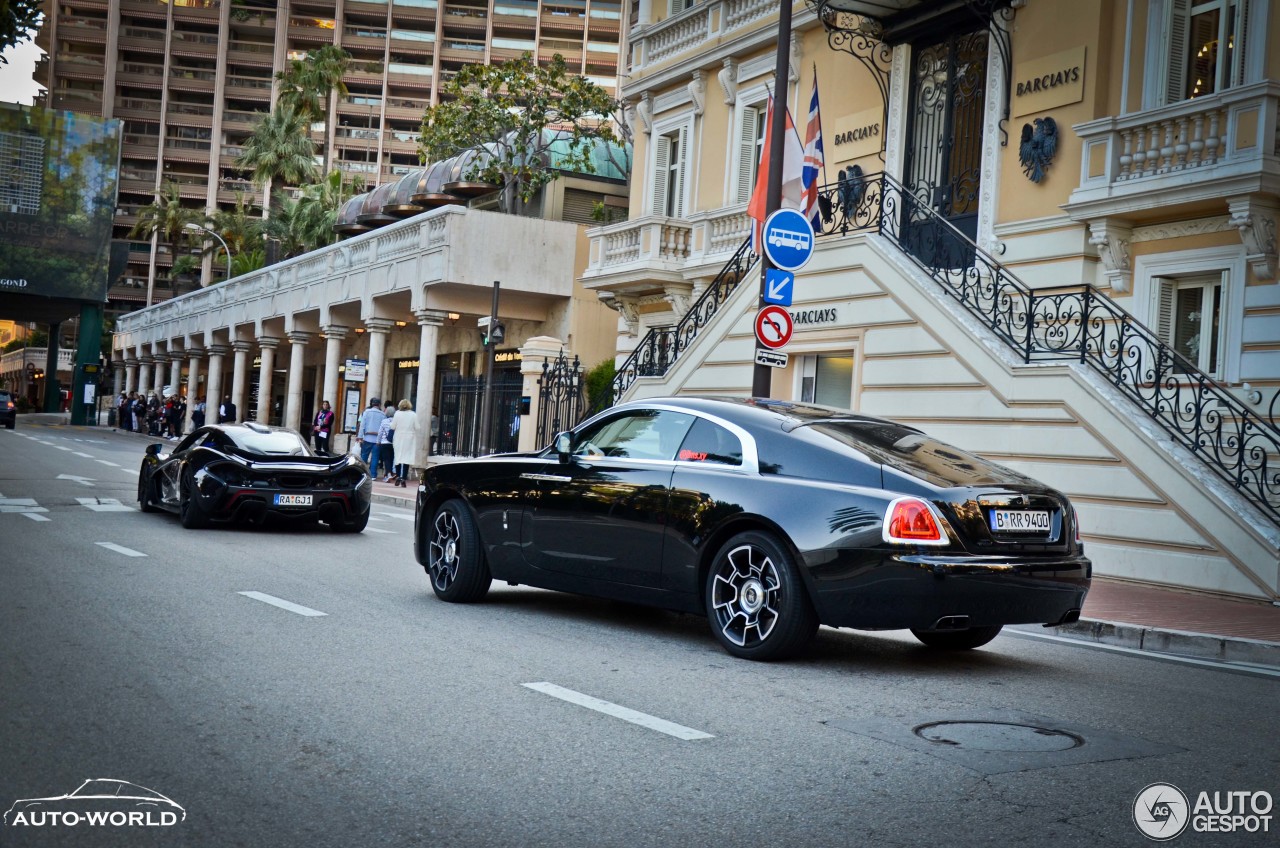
[225,472]
[768,517]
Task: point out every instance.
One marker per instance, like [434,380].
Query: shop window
[827,379]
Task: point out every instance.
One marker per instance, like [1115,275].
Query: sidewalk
[1116,612]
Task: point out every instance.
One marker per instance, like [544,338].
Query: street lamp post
[196,228]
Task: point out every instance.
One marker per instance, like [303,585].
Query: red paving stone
[1173,609]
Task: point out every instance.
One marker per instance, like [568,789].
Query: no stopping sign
[773,327]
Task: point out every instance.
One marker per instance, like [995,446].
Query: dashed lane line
[120,549]
[85,455]
[34,516]
[104,505]
[283,604]
[379,530]
[108,462]
[626,714]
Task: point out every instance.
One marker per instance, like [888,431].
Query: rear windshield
[276,443]
[915,453]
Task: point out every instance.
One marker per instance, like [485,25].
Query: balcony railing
[1206,148]
[694,26]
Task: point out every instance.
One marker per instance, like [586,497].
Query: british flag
[814,161]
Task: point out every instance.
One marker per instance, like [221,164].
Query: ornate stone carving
[728,76]
[698,91]
[679,296]
[1112,241]
[626,305]
[796,58]
[1256,223]
[644,109]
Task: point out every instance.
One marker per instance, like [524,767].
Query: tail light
[1075,523]
[911,521]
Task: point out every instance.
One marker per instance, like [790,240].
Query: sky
[16,85]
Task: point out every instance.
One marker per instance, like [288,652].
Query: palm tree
[240,227]
[308,84]
[280,148]
[307,223]
[166,218]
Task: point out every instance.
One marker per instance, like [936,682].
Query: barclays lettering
[858,134]
[814,316]
[1048,81]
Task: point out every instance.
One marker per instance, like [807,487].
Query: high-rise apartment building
[190,78]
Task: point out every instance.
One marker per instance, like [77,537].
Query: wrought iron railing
[660,347]
[1073,323]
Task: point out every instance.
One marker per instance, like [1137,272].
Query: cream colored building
[1045,341]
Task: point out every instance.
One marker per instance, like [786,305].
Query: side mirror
[564,446]
[154,450]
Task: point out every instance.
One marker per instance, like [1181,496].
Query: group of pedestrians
[389,438]
[149,414]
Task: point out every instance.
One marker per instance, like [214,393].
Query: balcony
[194,44]
[688,31]
[250,87]
[76,100]
[136,73]
[1208,149]
[83,30]
[251,53]
[192,79]
[80,65]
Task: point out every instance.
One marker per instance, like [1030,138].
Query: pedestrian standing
[370,421]
[197,414]
[405,442]
[227,412]
[322,427]
[123,415]
[385,448]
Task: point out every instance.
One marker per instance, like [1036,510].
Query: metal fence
[459,418]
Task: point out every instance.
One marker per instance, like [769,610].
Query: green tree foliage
[280,148]
[166,218]
[239,226]
[306,223]
[599,382]
[18,21]
[308,84]
[506,108]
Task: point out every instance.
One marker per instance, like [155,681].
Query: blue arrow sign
[788,239]
[778,286]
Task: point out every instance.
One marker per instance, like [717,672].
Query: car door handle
[549,478]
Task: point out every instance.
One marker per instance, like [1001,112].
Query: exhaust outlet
[952,622]
[1071,617]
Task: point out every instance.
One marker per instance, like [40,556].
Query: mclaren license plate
[1020,521]
[293,500]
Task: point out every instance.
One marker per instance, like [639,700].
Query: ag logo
[1161,811]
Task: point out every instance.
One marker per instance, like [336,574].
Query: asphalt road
[394,719]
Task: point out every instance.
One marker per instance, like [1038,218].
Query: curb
[1184,643]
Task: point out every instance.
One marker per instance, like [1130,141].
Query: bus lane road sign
[788,239]
[773,327]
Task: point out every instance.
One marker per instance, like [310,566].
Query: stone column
[194,355]
[130,375]
[158,375]
[535,353]
[144,375]
[239,374]
[293,393]
[379,329]
[267,346]
[429,320]
[333,336]
[117,379]
[175,372]
[213,390]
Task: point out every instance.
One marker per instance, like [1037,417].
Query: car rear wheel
[189,509]
[455,561]
[958,640]
[354,525]
[756,604]
[145,489]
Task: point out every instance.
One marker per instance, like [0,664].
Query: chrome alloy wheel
[745,596]
[443,550]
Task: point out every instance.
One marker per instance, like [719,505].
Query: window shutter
[579,206]
[747,153]
[681,167]
[1165,296]
[661,163]
[1238,72]
[1179,12]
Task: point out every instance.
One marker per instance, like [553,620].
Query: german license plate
[1020,520]
[293,500]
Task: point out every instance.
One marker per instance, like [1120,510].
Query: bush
[599,381]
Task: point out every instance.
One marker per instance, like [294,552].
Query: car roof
[747,411]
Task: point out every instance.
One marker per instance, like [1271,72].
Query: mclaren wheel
[957,640]
[756,604]
[189,509]
[146,489]
[455,561]
[353,525]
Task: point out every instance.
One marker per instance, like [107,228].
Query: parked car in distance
[8,410]
[228,472]
[768,517]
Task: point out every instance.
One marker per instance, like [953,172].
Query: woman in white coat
[405,439]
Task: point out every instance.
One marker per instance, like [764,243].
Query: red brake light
[1075,521]
[911,521]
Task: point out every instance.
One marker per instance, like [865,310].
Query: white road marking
[20,505]
[120,549]
[283,604]
[398,515]
[378,530]
[34,516]
[85,455]
[376,518]
[106,462]
[643,719]
[83,481]
[104,505]
[62,447]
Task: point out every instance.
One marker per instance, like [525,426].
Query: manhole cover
[998,736]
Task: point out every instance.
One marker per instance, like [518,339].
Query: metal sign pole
[486,404]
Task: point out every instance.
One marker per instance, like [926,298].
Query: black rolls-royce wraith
[768,517]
